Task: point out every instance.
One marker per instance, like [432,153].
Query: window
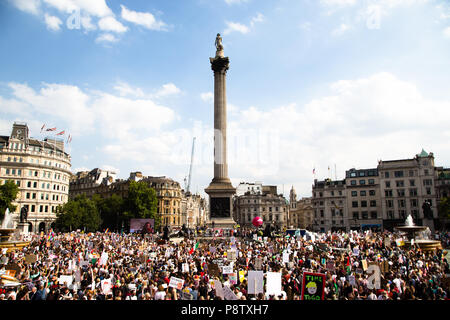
[364,204]
[373,214]
[428,190]
[413,192]
[362,193]
[386,174]
[29,184]
[364,215]
[362,182]
[399,183]
[362,174]
[371,181]
[355,215]
[387,184]
[371,192]
[373,203]
[398,174]
[352,174]
[390,203]
[411,173]
[401,203]
[388,193]
[412,183]
[401,192]
[354,204]
[354,193]
[427,182]
[353,182]
[413,202]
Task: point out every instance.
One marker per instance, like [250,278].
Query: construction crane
[188,186]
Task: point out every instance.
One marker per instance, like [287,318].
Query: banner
[313,286]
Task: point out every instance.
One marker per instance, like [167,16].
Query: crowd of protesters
[113,266]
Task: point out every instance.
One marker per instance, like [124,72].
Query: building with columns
[41,170]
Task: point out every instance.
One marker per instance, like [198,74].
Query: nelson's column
[220,190]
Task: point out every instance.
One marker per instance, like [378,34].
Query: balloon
[257,221]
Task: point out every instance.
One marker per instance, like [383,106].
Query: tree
[8,193]
[444,208]
[141,203]
[111,211]
[79,213]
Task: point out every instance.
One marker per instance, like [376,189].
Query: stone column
[220,190]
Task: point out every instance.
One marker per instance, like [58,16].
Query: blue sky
[311,84]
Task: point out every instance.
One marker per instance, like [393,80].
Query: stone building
[301,212]
[194,210]
[88,182]
[267,204]
[405,185]
[41,170]
[329,202]
[363,199]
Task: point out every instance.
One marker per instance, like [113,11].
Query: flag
[348,266]
[195,247]
[314,171]
[42,128]
[50,129]
[60,133]
[69,139]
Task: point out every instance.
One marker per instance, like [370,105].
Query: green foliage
[141,202]
[8,193]
[111,211]
[444,208]
[79,213]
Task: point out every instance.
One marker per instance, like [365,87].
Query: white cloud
[235,26]
[106,38]
[338,2]
[97,8]
[111,24]
[258,18]
[30,6]
[207,96]
[125,89]
[167,90]
[339,31]
[53,23]
[145,19]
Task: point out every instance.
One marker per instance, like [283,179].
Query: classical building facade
[89,182]
[363,199]
[194,210]
[329,202]
[267,204]
[405,185]
[41,170]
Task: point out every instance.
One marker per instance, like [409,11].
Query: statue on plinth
[23,214]
[219,46]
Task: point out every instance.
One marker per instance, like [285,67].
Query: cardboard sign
[273,285]
[219,289]
[232,277]
[285,257]
[185,267]
[228,294]
[255,282]
[106,286]
[374,279]
[176,283]
[231,255]
[364,264]
[227,269]
[313,286]
[65,279]
[258,263]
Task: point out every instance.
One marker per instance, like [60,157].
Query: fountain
[411,231]
[6,233]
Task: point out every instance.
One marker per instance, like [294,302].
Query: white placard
[65,279]
[227,269]
[176,283]
[273,286]
[285,257]
[219,289]
[255,282]
[106,286]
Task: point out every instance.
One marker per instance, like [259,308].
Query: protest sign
[227,269]
[176,283]
[313,286]
[258,263]
[231,255]
[364,264]
[106,286]
[30,258]
[285,257]
[228,294]
[185,267]
[374,279]
[233,278]
[255,282]
[273,285]
[241,275]
[219,289]
[65,279]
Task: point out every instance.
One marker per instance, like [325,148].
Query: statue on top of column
[219,46]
